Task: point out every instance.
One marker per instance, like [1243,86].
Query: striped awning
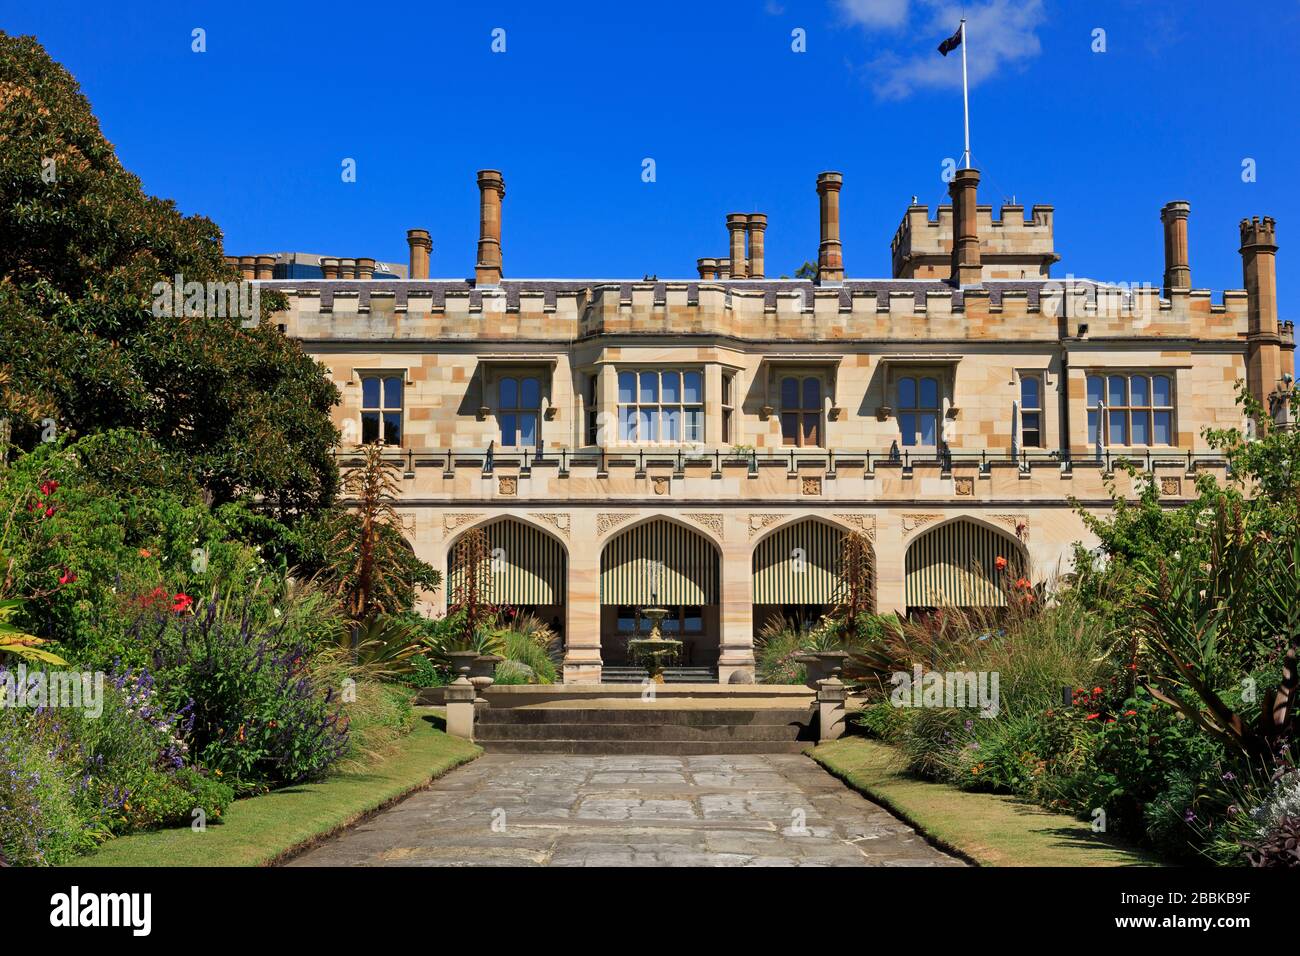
[799,564]
[526,566]
[954,565]
[659,562]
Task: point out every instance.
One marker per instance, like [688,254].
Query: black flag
[950,44]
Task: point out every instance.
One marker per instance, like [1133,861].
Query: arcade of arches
[722,577]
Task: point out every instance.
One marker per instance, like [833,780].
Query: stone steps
[645,729]
[611,674]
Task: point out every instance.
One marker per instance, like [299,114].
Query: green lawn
[988,829]
[262,830]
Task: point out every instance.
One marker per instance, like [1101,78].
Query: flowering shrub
[259,718]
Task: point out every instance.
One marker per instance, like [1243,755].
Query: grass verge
[986,829]
[265,830]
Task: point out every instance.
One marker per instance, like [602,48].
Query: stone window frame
[659,370]
[382,408]
[801,376]
[1128,410]
[518,369]
[518,410]
[1040,409]
[918,374]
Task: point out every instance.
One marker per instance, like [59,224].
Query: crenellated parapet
[1011,246]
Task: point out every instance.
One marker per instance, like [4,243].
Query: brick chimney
[737,222]
[966,267]
[365,268]
[329,267]
[248,267]
[1263,341]
[264,267]
[757,226]
[491,190]
[1178,271]
[420,245]
[830,254]
[708,268]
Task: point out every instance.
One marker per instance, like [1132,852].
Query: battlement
[755,311]
[1011,246]
[1259,232]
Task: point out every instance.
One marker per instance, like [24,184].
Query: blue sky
[253,131]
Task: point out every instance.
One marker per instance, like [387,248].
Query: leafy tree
[81,346]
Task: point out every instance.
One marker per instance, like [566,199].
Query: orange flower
[145,553]
[1000,563]
[1023,583]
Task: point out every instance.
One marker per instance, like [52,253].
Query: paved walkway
[549,810]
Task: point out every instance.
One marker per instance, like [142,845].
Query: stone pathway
[551,810]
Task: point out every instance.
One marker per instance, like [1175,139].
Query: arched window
[518,403]
[801,411]
[918,410]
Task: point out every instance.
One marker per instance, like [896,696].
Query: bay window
[661,406]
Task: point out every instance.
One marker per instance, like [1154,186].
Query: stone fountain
[654,651]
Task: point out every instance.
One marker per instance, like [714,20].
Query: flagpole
[965,96]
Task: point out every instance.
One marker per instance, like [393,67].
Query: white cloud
[999,33]
[875,13]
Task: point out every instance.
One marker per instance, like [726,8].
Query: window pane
[695,425]
[627,386]
[1031,426]
[649,387]
[907,425]
[1092,428]
[812,428]
[1116,393]
[1141,428]
[530,394]
[812,393]
[627,423]
[1137,391]
[1029,392]
[726,426]
[728,387]
[370,393]
[1094,391]
[648,424]
[1160,391]
[672,383]
[392,392]
[528,430]
[1118,428]
[929,393]
[508,426]
[789,393]
[694,387]
[369,427]
[928,428]
[907,393]
[1163,433]
[672,423]
[393,428]
[694,619]
[789,428]
[508,393]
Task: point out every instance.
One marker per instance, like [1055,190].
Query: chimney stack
[1263,342]
[757,226]
[737,222]
[724,268]
[1178,271]
[248,267]
[329,267]
[264,267]
[966,267]
[830,254]
[420,245]
[492,189]
[365,268]
[708,268]
[347,268]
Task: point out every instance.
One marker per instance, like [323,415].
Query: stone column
[736,225]
[966,266]
[830,253]
[582,663]
[1178,271]
[492,190]
[831,710]
[736,613]
[459,696]
[1263,342]
[757,226]
[420,246]
[607,393]
[890,551]
[713,404]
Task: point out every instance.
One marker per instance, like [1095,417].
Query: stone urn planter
[481,672]
[822,664]
[462,662]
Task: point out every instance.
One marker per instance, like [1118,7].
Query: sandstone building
[704,444]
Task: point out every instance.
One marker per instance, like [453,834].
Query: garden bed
[267,829]
[986,829]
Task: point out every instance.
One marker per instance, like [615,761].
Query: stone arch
[773,562]
[529,562]
[953,563]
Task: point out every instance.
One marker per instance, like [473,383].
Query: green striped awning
[527,566]
[659,562]
[799,564]
[954,565]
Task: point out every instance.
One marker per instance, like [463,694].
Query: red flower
[1096,690]
[145,553]
[49,487]
[1023,584]
[1092,716]
[1000,563]
[49,512]
[182,603]
[68,577]
[1130,713]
